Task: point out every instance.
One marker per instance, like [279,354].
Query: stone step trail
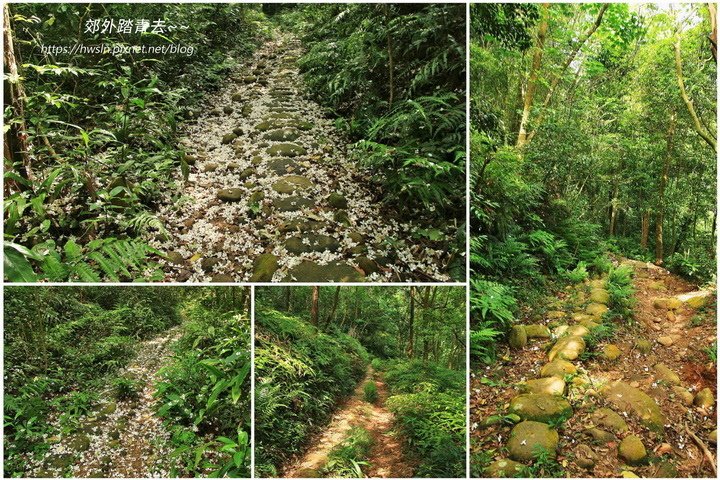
[273,197]
[543,404]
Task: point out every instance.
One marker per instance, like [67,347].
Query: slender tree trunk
[699,128]
[712,9]
[17,147]
[391,67]
[660,217]
[556,79]
[331,314]
[644,229]
[411,324]
[314,305]
[287,292]
[533,77]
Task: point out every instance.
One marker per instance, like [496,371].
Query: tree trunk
[288,293]
[702,131]
[331,315]
[645,229]
[556,79]
[17,147]
[713,26]
[533,78]
[411,324]
[391,68]
[660,217]
[314,305]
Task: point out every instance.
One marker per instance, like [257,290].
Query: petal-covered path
[638,403]
[121,438]
[272,195]
[386,458]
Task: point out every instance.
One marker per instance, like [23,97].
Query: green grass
[370,392]
[347,459]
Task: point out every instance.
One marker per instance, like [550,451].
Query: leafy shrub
[482,344]
[578,274]
[206,388]
[434,423]
[347,459]
[601,264]
[126,388]
[301,373]
[370,392]
[407,376]
[619,285]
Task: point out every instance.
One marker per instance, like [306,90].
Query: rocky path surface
[272,196]
[625,406]
[122,438]
[386,459]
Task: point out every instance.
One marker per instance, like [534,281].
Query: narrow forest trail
[636,404]
[273,196]
[386,459]
[122,438]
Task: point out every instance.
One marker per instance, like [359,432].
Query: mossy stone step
[311,243]
[558,368]
[292,203]
[540,407]
[287,134]
[504,468]
[567,348]
[600,295]
[286,150]
[291,183]
[529,439]
[264,267]
[546,385]
[631,400]
[308,271]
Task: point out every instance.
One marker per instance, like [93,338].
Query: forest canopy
[593,132]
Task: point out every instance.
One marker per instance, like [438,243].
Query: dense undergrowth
[65,350]
[62,347]
[301,374]
[94,141]
[429,404]
[394,75]
[204,392]
[313,345]
[574,171]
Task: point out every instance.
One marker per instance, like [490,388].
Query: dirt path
[121,439]
[273,196]
[621,408]
[386,459]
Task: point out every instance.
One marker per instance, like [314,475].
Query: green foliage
[493,305]
[370,392]
[434,423]
[408,376]
[579,274]
[619,285]
[206,389]
[301,373]
[126,388]
[711,352]
[602,264]
[103,133]
[347,459]
[62,346]
[544,466]
[395,76]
